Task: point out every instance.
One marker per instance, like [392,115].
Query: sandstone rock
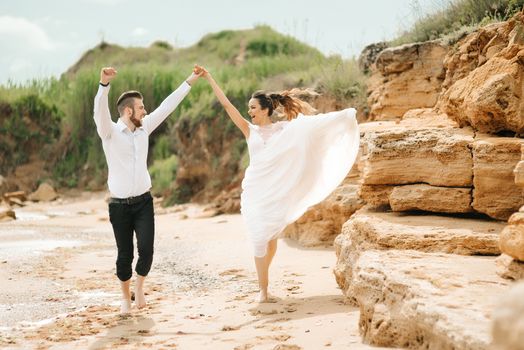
[495,192]
[322,222]
[369,230]
[44,193]
[519,174]
[512,237]
[369,55]
[402,155]
[508,320]
[7,214]
[509,268]
[406,77]
[17,197]
[420,300]
[519,169]
[375,195]
[486,93]
[431,198]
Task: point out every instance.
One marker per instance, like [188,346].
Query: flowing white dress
[294,165]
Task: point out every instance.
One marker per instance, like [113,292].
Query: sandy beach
[58,288]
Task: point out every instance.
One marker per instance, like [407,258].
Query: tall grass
[269,61]
[456,16]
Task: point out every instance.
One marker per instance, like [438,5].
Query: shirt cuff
[104,89]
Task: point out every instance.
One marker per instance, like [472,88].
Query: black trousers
[128,218]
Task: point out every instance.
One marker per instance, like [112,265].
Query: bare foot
[125,307]
[140,299]
[264,297]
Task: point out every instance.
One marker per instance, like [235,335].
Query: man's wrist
[104,85]
[188,83]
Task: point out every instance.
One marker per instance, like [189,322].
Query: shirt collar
[122,126]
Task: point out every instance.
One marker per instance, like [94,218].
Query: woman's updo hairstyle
[292,106]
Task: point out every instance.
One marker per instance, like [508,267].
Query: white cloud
[20,34]
[139,31]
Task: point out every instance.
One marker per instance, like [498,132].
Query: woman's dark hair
[292,106]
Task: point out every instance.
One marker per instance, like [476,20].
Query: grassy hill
[241,61]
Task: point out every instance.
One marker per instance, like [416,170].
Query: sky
[41,38]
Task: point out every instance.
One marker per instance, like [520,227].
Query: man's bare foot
[125,307]
[140,299]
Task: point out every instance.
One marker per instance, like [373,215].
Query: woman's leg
[262,264]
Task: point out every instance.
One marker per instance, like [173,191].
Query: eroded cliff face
[483,85]
[442,178]
[405,77]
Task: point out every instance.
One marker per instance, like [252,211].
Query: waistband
[131,200]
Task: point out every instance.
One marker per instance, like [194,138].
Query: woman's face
[257,114]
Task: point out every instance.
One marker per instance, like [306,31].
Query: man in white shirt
[125,146]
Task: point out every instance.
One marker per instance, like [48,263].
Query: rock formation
[421,259]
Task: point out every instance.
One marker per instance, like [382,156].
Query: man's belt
[131,200]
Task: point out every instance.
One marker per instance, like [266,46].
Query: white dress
[294,165]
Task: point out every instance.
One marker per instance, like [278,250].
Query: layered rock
[508,325]
[407,275]
[402,154]
[508,267]
[370,230]
[430,198]
[420,300]
[323,222]
[406,77]
[519,170]
[495,192]
[484,79]
[426,163]
[511,264]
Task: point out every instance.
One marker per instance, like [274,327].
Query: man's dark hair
[127,99]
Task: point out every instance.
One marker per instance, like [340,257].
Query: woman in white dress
[294,164]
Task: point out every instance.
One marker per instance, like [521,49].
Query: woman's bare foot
[263,297]
[125,307]
[140,299]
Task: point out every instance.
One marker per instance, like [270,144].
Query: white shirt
[126,151]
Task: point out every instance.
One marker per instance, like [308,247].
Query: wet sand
[58,289]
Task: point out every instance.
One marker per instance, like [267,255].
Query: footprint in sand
[278,337]
[255,312]
[234,273]
[287,347]
[230,328]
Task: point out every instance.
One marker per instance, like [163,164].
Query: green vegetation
[59,111]
[457,17]
[241,61]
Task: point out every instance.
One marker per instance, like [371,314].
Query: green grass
[457,17]
[241,61]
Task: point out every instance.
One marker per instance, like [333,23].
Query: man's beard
[136,122]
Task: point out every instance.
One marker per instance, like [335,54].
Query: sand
[58,289]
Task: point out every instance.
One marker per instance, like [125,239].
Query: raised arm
[155,118]
[231,110]
[101,113]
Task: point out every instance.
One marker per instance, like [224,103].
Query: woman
[294,164]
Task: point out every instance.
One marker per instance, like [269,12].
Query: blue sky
[43,38]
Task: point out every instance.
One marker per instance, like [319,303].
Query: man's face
[138,112]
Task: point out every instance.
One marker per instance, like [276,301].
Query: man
[125,146]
